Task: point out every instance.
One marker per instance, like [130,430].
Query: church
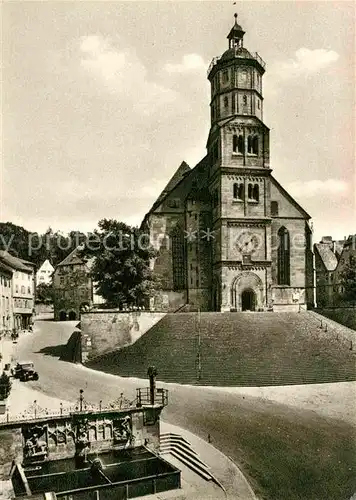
[228,236]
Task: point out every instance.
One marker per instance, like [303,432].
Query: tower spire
[236,35]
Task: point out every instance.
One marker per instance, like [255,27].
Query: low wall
[105,430]
[106,330]
[344,315]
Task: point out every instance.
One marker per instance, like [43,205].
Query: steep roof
[73,258]
[5,268]
[327,256]
[290,198]
[180,173]
[16,262]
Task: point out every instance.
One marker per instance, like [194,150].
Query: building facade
[6,304]
[44,273]
[229,236]
[74,290]
[347,259]
[332,257]
[23,290]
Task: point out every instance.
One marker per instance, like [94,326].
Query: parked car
[25,370]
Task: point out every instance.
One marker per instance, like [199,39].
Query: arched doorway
[72,316]
[62,316]
[248,300]
[247,292]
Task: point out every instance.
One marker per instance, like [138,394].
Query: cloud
[306,62]
[312,188]
[190,62]
[124,74]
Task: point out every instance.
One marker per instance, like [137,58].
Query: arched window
[238,190]
[240,144]
[226,102]
[250,191]
[235,143]
[255,145]
[249,144]
[283,274]
[256,193]
[178,258]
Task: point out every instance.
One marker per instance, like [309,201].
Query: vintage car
[25,370]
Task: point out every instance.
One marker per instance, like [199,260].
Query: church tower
[240,242]
[238,148]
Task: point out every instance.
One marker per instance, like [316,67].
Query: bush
[5,386]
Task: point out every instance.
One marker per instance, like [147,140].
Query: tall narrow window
[215,198]
[274,208]
[250,191]
[178,258]
[233,103]
[283,275]
[256,193]
[245,100]
[241,144]
[235,143]
[238,191]
[249,144]
[255,145]
[226,102]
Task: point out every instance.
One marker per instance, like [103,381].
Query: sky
[102,101]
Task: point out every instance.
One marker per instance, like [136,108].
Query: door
[248,300]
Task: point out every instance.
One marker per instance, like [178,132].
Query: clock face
[247,242]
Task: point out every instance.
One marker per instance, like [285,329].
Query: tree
[5,386]
[121,264]
[348,282]
[44,293]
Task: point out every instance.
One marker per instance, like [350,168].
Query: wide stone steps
[180,448]
[236,349]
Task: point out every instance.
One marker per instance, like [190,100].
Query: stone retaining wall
[107,330]
[344,315]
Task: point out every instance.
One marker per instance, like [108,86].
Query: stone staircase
[236,349]
[180,448]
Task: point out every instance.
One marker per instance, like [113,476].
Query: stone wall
[104,430]
[106,330]
[344,315]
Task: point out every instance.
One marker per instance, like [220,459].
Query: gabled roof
[164,194]
[290,198]
[180,173]
[327,256]
[4,267]
[16,262]
[46,264]
[73,258]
